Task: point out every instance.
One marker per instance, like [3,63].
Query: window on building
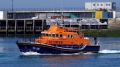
[97,4]
[101,4]
[114,4]
[106,4]
[93,4]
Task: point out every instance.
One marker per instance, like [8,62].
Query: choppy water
[108,56]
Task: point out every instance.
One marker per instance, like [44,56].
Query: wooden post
[15,27]
[6,27]
[42,24]
[33,27]
[24,26]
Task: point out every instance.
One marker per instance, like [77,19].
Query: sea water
[108,56]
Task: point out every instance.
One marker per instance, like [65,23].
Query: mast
[62,19]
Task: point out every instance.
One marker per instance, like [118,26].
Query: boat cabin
[62,36]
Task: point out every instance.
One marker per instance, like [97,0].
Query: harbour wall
[114,24]
[35,26]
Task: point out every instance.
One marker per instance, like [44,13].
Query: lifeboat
[58,40]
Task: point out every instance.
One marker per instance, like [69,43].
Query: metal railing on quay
[42,9]
[11,28]
[49,9]
[38,28]
[20,27]
[29,28]
[2,27]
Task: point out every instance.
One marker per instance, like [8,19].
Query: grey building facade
[100,5]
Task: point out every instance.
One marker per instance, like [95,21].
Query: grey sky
[48,3]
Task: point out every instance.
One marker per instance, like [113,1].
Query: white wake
[106,51]
[30,53]
[35,53]
[109,51]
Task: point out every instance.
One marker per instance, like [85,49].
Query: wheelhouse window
[72,36]
[57,35]
[43,34]
[68,36]
[49,34]
[53,35]
[60,35]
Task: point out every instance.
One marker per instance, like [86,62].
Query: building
[100,5]
[32,21]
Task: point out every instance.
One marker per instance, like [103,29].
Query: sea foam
[109,51]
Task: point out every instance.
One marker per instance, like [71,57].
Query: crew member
[95,40]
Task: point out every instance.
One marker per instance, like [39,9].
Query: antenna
[56,22]
[53,9]
[61,10]
[62,14]
[12,5]
[95,4]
